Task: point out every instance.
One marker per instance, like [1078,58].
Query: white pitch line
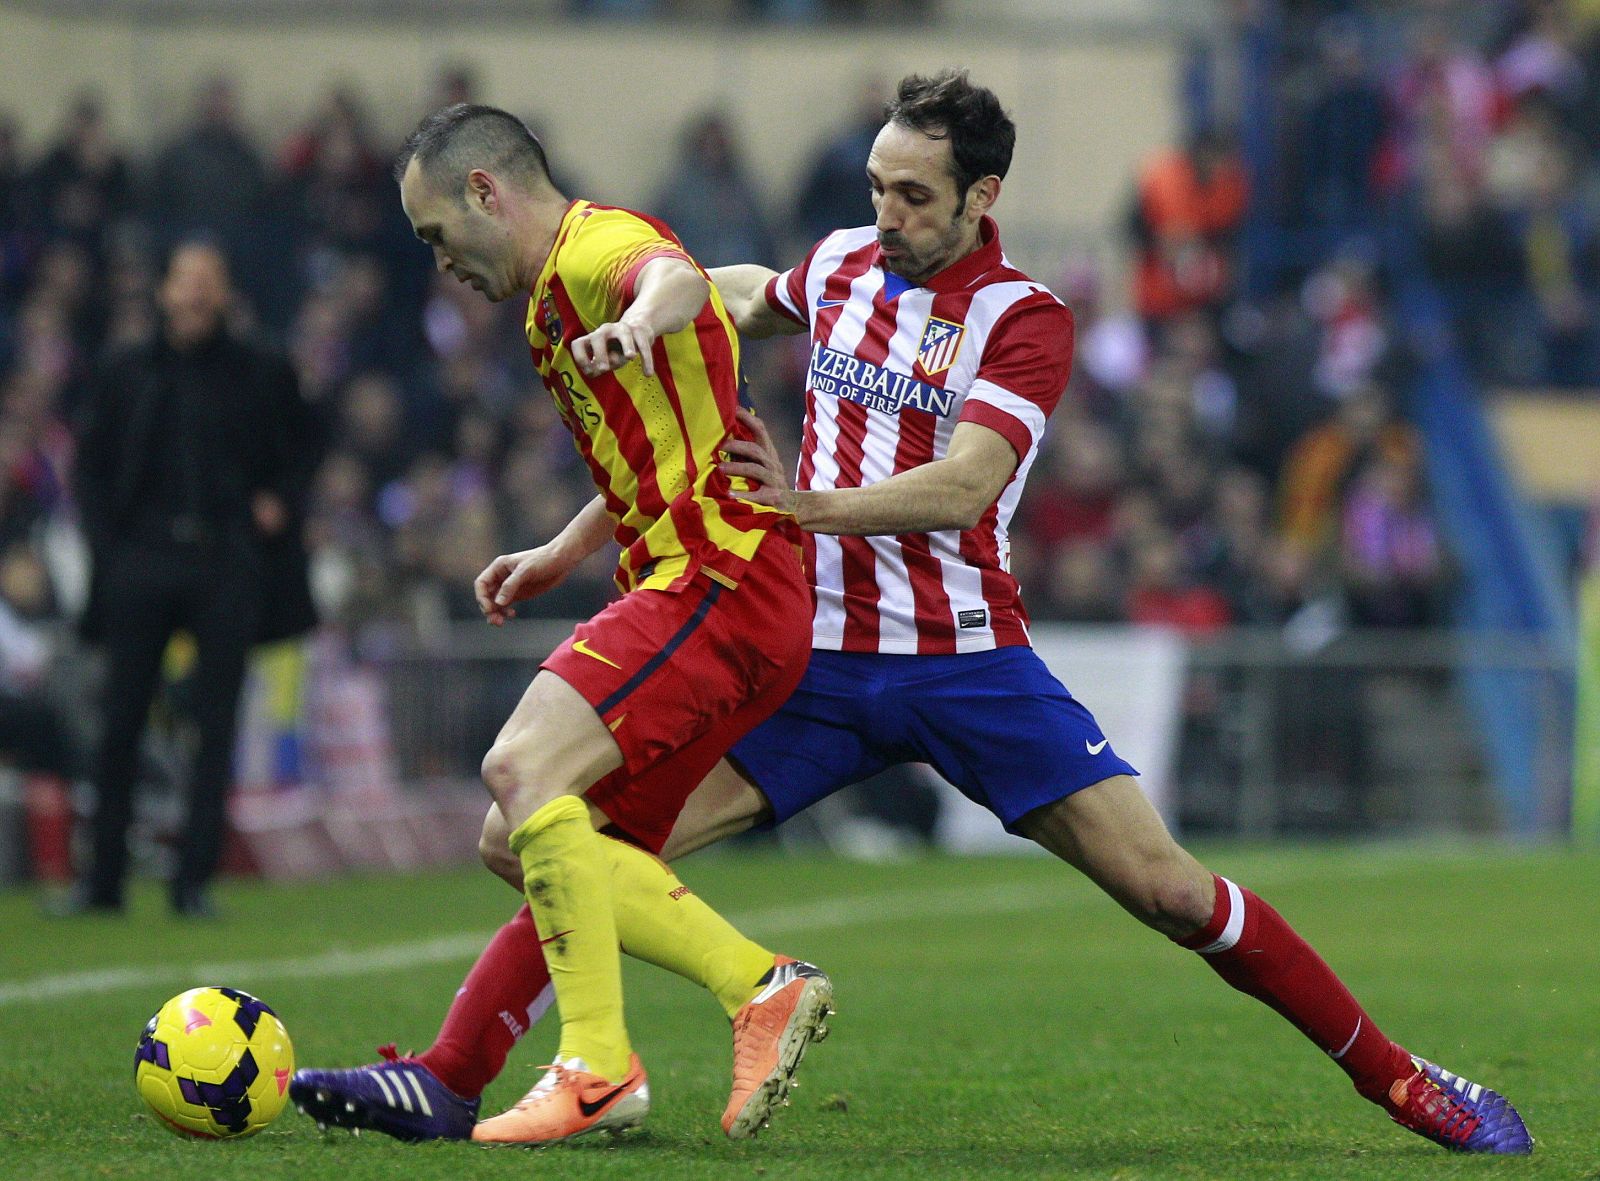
[782,920]
[1003,898]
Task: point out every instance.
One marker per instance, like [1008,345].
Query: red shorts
[680,676]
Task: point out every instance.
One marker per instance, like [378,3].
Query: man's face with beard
[924,222]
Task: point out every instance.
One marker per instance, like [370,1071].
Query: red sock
[506,991]
[1250,946]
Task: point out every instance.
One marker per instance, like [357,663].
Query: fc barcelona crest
[941,342]
[549,318]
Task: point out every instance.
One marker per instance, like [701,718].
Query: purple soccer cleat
[399,1097]
[1457,1113]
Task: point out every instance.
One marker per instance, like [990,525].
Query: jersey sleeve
[786,293]
[604,258]
[1023,372]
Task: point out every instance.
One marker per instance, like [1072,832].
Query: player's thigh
[553,744]
[1004,730]
[1112,833]
[725,804]
[822,738]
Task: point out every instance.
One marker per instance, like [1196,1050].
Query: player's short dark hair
[948,105]
[454,140]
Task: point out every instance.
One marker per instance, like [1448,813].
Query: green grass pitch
[997,1018]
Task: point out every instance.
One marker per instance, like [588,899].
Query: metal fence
[1366,733]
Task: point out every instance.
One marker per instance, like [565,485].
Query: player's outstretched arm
[668,295]
[744,293]
[511,578]
[949,493]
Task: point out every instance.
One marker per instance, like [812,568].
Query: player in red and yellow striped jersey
[628,715]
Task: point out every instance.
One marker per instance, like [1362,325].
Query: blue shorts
[996,724]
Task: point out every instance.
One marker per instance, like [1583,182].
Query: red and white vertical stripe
[873,409]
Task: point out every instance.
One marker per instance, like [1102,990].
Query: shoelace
[1449,1115]
[554,1072]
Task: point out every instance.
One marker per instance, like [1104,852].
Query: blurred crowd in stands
[1227,452]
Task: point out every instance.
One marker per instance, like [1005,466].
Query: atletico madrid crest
[941,341]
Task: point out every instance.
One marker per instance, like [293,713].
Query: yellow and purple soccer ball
[214,1063]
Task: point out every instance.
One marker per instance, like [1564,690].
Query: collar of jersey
[958,274]
[568,221]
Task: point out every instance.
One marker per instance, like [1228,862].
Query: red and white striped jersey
[894,367]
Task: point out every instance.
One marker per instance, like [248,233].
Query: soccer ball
[214,1063]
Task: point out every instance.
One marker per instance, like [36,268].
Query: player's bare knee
[501,771]
[1173,901]
[499,860]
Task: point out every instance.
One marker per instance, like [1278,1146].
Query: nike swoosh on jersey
[832,303]
[1095,748]
[583,646]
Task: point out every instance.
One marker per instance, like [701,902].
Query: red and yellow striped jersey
[651,443]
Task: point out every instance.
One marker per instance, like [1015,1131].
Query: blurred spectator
[1356,340]
[835,194]
[210,175]
[336,178]
[1544,58]
[1080,586]
[1392,559]
[82,185]
[1445,96]
[1324,462]
[455,82]
[1470,250]
[1162,592]
[1557,237]
[1342,132]
[709,200]
[34,734]
[1189,207]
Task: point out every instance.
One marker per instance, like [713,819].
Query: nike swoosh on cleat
[1095,748]
[591,1109]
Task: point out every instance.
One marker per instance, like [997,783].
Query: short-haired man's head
[454,140]
[948,105]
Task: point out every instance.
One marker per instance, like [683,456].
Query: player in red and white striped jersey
[896,369]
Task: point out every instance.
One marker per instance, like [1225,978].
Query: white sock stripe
[1349,1043]
[1234,926]
[383,1085]
[541,1004]
[422,1100]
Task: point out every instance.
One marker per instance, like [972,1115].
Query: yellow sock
[567,878]
[659,920]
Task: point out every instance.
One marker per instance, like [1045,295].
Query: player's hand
[511,578]
[611,346]
[758,461]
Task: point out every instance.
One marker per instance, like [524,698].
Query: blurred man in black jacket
[194,459]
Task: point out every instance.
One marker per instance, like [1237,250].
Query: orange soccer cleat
[569,1101]
[770,1036]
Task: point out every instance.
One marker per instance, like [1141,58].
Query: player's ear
[985,191]
[482,191]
